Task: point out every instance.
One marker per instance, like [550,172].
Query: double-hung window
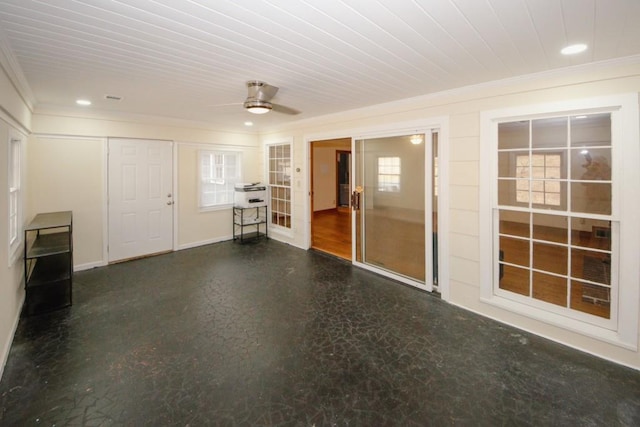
[219,172]
[389,173]
[555,234]
[15,195]
[561,224]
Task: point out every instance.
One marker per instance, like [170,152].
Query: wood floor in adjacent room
[331,232]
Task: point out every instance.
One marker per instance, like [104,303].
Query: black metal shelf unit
[249,223]
[48,262]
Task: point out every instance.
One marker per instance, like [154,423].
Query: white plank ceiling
[188,59]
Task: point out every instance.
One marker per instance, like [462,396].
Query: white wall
[78,189]
[197,227]
[463,107]
[14,116]
[68,173]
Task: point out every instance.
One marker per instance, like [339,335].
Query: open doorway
[330,196]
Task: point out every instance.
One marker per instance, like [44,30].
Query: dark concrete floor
[267,334]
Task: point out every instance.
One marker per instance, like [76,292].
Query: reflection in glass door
[390,205]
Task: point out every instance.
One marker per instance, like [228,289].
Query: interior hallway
[267,334]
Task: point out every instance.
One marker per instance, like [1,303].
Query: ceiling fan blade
[223,105]
[285,110]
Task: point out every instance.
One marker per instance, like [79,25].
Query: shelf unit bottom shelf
[49,297]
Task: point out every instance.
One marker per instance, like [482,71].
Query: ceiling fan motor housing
[260,91]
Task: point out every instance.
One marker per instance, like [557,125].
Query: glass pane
[591,198]
[591,266]
[393,222]
[551,289]
[549,133]
[514,223]
[551,258]
[513,135]
[512,192]
[591,130]
[513,164]
[591,299]
[591,233]
[514,279]
[591,165]
[286,151]
[552,228]
[514,251]
[549,194]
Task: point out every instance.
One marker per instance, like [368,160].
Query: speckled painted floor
[267,334]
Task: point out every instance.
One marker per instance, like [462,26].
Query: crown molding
[136,118]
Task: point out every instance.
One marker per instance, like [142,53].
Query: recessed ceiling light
[574,48]
[83,102]
[248,123]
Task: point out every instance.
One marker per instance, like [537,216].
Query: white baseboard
[204,242]
[89,265]
[7,345]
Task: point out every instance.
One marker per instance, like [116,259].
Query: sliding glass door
[393,233]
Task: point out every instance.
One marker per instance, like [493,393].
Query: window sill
[204,209]
[554,319]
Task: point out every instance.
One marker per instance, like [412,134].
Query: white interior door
[140,198]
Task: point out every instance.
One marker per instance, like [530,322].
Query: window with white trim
[572,264]
[15,196]
[279,178]
[555,240]
[219,172]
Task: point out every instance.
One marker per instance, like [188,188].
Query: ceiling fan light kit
[256,106]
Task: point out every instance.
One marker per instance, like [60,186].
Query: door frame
[338,153]
[441,123]
[105,188]
[313,145]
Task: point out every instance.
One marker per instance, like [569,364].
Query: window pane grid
[279,177]
[219,173]
[14,193]
[562,244]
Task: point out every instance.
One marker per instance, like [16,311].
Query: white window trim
[15,246]
[222,206]
[274,228]
[625,137]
